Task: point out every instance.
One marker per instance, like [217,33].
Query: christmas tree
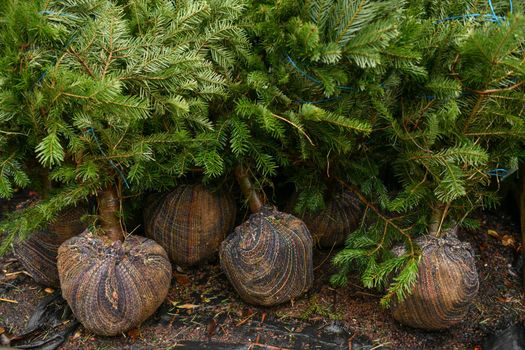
[447,133]
[300,105]
[102,91]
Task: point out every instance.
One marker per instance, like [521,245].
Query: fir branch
[389,221]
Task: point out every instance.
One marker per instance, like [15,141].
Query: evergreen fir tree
[286,114]
[101,89]
[444,132]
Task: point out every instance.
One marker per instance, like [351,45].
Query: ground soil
[203,311]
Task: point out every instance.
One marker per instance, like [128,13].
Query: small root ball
[38,253]
[113,287]
[331,225]
[447,282]
[190,222]
[268,259]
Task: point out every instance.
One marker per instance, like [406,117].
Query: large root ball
[38,253]
[113,287]
[190,222]
[447,282]
[268,259]
[330,226]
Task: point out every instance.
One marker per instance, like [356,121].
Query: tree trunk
[108,207]
[247,189]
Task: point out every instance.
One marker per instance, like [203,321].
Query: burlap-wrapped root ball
[113,287]
[190,222]
[268,259]
[330,226]
[447,282]
[38,253]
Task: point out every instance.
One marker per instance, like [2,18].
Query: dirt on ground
[202,311]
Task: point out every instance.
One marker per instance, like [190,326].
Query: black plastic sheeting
[512,338]
[48,328]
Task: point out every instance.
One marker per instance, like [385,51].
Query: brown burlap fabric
[38,253]
[268,259]
[447,282]
[330,226]
[190,222]
[113,287]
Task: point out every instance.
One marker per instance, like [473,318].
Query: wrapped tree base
[112,287]
[447,283]
[38,253]
[268,259]
[190,223]
[330,226]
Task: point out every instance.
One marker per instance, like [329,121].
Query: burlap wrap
[113,287]
[330,226]
[268,259]
[38,253]
[447,283]
[190,222]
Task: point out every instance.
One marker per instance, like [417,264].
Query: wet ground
[203,312]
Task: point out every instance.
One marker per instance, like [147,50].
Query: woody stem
[108,207]
[247,189]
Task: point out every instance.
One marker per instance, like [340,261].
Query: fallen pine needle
[245,320]
[266,346]
[17,273]
[9,300]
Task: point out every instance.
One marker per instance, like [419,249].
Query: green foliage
[108,93]
[443,131]
[386,98]
[272,121]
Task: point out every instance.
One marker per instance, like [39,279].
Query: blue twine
[312,78]
[493,11]
[92,132]
[489,18]
[67,43]
[498,172]
[324,100]
[493,17]
[64,47]
[303,73]
[54,13]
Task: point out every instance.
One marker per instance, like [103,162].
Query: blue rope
[303,73]
[92,132]
[493,12]
[64,48]
[312,78]
[489,18]
[498,172]
[493,17]
[54,13]
[324,100]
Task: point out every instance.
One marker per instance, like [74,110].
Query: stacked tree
[268,258]
[273,131]
[107,87]
[445,130]
[117,98]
